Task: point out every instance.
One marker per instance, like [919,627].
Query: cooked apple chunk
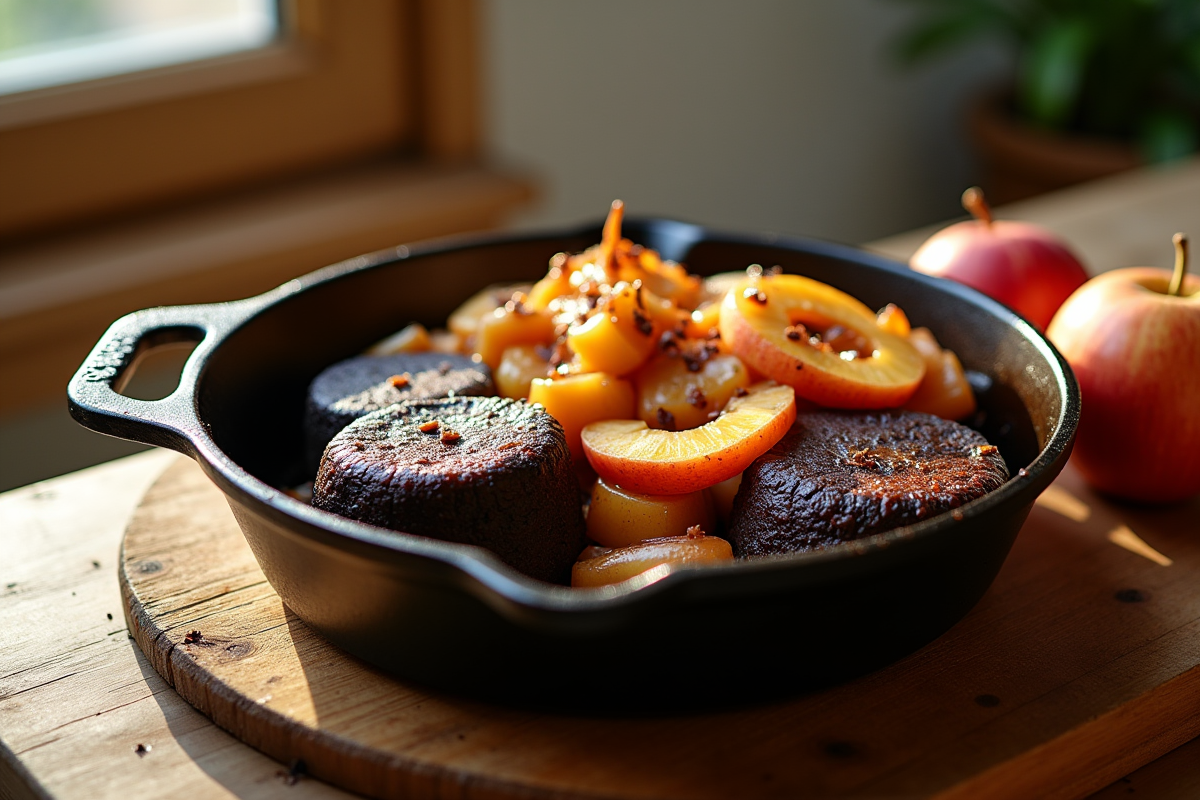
[636,457]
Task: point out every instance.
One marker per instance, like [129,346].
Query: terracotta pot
[1019,160]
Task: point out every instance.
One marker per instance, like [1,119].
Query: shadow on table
[229,762]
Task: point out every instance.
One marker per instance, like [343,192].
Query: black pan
[453,616]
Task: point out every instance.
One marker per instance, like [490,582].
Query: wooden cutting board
[1080,664]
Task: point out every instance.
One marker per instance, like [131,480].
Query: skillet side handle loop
[93,396]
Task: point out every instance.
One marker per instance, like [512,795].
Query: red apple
[1132,337]
[1021,265]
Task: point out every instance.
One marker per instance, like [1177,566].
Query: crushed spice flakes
[665,418]
[644,326]
[192,637]
[561,353]
[399,381]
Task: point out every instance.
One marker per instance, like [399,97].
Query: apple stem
[974,202]
[1181,264]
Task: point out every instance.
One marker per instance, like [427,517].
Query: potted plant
[1100,85]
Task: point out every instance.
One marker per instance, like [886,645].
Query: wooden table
[82,713]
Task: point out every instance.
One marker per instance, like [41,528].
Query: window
[354,129]
[58,42]
[338,84]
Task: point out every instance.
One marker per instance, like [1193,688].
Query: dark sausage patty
[840,476]
[357,386]
[492,472]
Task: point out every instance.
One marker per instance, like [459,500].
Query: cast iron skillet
[453,616]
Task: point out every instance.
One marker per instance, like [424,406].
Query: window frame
[63,283]
[341,84]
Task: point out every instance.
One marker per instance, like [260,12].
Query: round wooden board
[1054,684]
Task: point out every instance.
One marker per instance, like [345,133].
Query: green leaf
[1052,72]
[1168,135]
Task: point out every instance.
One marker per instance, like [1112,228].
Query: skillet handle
[93,394]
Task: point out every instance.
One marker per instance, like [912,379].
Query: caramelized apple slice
[465,319]
[555,284]
[618,337]
[623,563]
[617,517]
[820,341]
[704,322]
[666,279]
[518,367]
[892,319]
[638,458]
[510,326]
[678,391]
[576,400]
[413,338]
[944,392]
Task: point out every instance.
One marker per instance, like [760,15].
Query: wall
[781,115]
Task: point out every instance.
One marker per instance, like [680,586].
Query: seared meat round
[840,476]
[486,471]
[360,385]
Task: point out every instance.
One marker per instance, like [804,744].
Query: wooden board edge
[351,767]
[1102,750]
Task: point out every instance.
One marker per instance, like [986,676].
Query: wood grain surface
[1080,664]
[77,697]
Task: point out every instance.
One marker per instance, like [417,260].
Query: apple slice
[617,517]
[608,566]
[820,341]
[579,399]
[945,391]
[638,458]
[464,320]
